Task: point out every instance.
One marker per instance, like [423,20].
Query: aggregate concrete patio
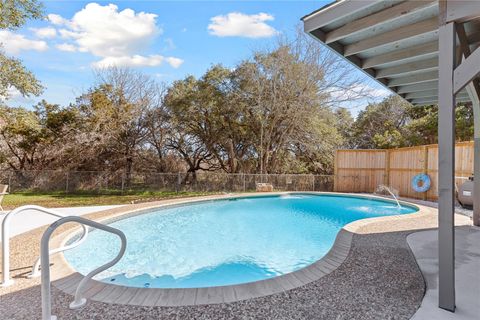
[379,279]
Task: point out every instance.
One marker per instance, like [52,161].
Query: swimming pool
[225,242]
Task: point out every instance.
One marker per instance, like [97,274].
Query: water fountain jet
[383,187]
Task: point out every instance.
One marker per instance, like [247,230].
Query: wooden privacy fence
[365,170]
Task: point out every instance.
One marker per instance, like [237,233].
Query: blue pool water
[224,242]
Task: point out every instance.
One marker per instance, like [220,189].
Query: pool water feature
[225,242]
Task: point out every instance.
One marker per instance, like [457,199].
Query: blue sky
[166,39]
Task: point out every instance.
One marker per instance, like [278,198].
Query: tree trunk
[231,156]
[128,171]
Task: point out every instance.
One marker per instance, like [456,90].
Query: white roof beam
[431,94]
[465,48]
[417,87]
[338,48]
[468,70]
[462,10]
[389,37]
[427,101]
[333,13]
[385,16]
[422,94]
[411,67]
[417,78]
[399,55]
[474,87]
[410,53]
[423,102]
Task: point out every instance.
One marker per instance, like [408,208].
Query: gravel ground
[379,280]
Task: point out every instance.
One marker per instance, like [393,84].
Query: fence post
[66,182]
[387,169]
[335,172]
[178,182]
[425,167]
[123,181]
[313,182]
[244,183]
[9,184]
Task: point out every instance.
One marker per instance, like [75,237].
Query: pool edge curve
[67,278]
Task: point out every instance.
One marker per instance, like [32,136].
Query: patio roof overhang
[394,42]
[427,52]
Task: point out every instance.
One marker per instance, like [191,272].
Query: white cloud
[138,61]
[57,19]
[13,95]
[174,62]
[66,34]
[66,47]
[105,31]
[236,24]
[113,35]
[14,43]
[47,32]
[169,44]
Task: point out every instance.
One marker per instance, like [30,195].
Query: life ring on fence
[421,182]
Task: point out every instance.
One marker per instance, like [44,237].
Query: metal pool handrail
[79,301]
[6,241]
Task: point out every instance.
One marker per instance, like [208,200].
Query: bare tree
[117,109]
[289,94]
[191,150]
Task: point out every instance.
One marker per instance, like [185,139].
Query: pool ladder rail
[79,300]
[6,280]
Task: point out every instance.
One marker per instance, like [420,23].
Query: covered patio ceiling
[426,51]
[394,42]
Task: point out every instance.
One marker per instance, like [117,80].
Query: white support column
[446,167]
[476,185]
[472,92]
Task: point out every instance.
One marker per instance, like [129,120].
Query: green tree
[271,114]
[197,108]
[344,124]
[14,75]
[381,125]
[394,123]
[288,108]
[14,14]
[423,126]
[37,139]
[115,116]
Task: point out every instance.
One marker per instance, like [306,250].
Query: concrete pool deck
[30,219]
[467,277]
[379,279]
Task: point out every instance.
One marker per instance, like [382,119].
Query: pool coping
[66,279]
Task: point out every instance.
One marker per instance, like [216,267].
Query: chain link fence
[108,182]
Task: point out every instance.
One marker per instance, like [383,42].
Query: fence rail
[396,168]
[100,181]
